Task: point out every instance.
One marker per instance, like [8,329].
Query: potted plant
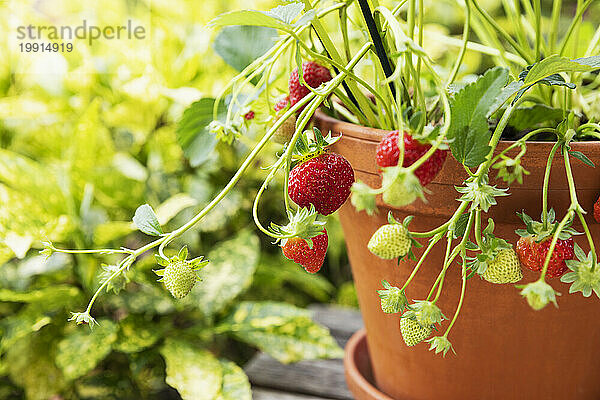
[474,161]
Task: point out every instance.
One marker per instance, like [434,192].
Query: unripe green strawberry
[179,278]
[179,274]
[505,268]
[403,187]
[390,241]
[412,332]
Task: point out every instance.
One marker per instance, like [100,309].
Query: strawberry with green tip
[179,274]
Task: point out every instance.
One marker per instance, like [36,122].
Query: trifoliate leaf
[146,221]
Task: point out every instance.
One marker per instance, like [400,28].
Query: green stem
[537,9]
[462,297]
[574,24]
[478,238]
[459,249]
[547,183]
[492,22]
[432,243]
[556,10]
[463,49]
[559,229]
[335,56]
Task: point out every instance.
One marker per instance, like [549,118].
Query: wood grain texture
[268,394]
[314,377]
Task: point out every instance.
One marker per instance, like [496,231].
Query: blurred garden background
[88,136]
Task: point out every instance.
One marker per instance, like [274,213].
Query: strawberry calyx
[538,294]
[393,300]
[540,231]
[490,246]
[312,144]
[305,224]
[427,313]
[584,274]
[440,344]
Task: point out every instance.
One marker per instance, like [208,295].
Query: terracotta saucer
[357,365]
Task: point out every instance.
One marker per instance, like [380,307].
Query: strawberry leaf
[239,45]
[469,131]
[193,134]
[146,221]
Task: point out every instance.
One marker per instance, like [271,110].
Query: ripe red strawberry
[314,75]
[597,210]
[323,181]
[527,250]
[533,255]
[281,104]
[249,115]
[564,250]
[388,154]
[298,250]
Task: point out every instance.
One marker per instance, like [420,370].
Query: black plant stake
[376,38]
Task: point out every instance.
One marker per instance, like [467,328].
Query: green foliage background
[86,137]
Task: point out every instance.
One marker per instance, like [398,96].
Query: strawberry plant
[367,64]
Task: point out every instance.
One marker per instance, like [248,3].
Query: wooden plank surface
[321,379]
[268,394]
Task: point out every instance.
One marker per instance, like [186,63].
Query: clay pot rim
[375,135]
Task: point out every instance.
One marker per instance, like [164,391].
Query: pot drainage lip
[357,366]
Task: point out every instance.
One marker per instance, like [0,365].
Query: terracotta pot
[505,350]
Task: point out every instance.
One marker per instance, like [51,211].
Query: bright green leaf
[30,364]
[136,334]
[250,18]
[235,383]
[555,64]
